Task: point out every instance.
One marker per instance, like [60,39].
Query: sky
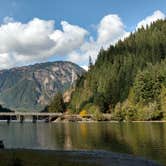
[34,31]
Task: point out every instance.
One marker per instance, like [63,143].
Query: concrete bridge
[21,116]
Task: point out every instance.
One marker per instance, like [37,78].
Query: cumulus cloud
[70,39]
[85,67]
[109,31]
[36,41]
[157,15]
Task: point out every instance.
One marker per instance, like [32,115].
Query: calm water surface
[140,139]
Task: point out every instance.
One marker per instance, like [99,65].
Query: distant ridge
[30,88]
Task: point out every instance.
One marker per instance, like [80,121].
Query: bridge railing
[29,114]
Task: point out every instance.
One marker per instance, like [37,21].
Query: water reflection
[142,139]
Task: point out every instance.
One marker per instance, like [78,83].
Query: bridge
[20,116]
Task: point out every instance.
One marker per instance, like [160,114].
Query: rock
[31,88]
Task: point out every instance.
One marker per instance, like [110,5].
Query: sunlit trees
[57,104]
[135,63]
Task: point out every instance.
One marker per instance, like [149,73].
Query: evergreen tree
[57,104]
[90,62]
[117,69]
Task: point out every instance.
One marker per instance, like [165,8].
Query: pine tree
[116,69]
[90,62]
[57,104]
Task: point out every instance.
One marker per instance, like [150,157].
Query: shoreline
[86,121]
[33,157]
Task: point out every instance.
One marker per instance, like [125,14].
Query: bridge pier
[34,118]
[21,118]
[48,119]
[18,117]
[8,119]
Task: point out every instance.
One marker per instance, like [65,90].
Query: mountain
[121,77]
[30,88]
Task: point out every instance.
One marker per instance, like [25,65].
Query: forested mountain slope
[110,80]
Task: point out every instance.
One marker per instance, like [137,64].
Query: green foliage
[2,109]
[57,104]
[129,78]
[147,85]
[150,91]
[125,111]
[90,62]
[97,115]
[94,110]
[100,101]
[118,114]
[149,111]
[163,102]
[129,111]
[147,97]
[116,70]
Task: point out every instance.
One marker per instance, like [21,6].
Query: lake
[139,139]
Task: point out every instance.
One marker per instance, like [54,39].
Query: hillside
[109,83]
[30,88]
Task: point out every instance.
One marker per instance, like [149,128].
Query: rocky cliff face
[30,88]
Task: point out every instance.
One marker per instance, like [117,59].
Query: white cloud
[109,31]
[6,60]
[36,41]
[157,15]
[85,67]
[71,38]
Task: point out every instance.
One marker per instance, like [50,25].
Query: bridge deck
[29,114]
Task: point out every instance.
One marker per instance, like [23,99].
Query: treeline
[147,96]
[2,109]
[129,73]
[56,105]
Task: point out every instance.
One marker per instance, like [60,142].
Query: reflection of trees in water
[50,136]
[68,141]
[143,139]
[55,136]
[89,136]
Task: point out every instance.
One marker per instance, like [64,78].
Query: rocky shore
[91,118]
[78,118]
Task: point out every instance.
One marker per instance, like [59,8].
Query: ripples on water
[141,139]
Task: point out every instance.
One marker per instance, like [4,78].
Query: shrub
[163,102]
[125,111]
[97,115]
[118,114]
[149,112]
[129,111]
[83,113]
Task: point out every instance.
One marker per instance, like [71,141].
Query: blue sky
[88,15]
[83,13]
